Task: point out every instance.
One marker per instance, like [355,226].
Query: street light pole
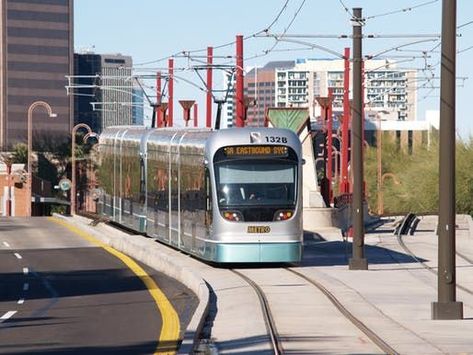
[73,162]
[30,147]
[380,166]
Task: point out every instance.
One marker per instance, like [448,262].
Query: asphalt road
[61,294]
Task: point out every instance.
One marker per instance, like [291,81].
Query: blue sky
[150,30]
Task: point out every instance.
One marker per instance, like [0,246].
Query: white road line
[7,315]
[18,256]
[21,301]
[25,271]
[26,286]
[6,244]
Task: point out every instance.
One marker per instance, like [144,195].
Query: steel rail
[427,267]
[376,339]
[268,317]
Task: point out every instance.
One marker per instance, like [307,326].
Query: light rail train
[225,196]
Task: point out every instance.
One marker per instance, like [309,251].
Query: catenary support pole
[239,105]
[358,260]
[159,114]
[171,93]
[329,119]
[196,110]
[345,185]
[446,307]
[208,121]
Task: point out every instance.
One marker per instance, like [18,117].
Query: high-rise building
[138,108]
[261,87]
[103,89]
[36,54]
[387,89]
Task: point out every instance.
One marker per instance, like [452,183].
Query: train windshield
[256,182]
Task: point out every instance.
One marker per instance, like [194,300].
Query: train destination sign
[256,151]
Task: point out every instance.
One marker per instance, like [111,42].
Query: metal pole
[363,103]
[240,106]
[358,261]
[73,171]
[30,149]
[171,93]
[329,145]
[344,186]
[446,307]
[195,115]
[380,167]
[159,114]
[9,212]
[208,121]
[73,163]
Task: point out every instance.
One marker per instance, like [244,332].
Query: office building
[102,87]
[36,53]
[137,110]
[259,87]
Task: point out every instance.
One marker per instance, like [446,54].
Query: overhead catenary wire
[406,9]
[347,10]
[273,22]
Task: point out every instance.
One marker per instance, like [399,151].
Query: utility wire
[287,28]
[465,24]
[276,19]
[464,50]
[406,9]
[347,10]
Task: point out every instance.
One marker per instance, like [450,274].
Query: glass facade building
[102,90]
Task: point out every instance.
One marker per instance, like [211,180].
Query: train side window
[208,199]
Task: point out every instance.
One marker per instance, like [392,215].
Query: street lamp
[381,193]
[30,147]
[73,160]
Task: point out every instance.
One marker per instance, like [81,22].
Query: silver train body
[226,196]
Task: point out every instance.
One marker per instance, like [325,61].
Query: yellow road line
[169,336]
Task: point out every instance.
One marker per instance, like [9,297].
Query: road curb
[146,251]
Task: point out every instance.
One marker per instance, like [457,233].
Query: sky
[153,30]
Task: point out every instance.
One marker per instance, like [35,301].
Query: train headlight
[233,216]
[283,215]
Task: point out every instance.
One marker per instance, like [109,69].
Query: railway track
[268,317]
[408,251]
[271,327]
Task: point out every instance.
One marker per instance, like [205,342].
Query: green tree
[20,153]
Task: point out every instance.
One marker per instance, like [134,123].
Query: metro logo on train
[258,229]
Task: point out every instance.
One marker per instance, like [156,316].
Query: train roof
[211,139]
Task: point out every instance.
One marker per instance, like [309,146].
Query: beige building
[388,90]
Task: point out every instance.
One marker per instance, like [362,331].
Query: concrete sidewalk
[394,296]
